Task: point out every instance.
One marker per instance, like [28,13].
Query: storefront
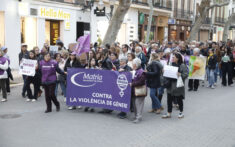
[46,23]
[179,30]
[162,28]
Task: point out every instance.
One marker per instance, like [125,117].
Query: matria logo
[86,80]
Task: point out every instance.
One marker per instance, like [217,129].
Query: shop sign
[53,13]
[171,21]
[67,25]
[56,14]
[162,21]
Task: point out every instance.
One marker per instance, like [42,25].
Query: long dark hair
[179,57]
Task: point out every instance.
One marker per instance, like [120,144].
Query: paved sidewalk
[209,122]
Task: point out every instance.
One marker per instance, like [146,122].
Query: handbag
[180,82]
[141,91]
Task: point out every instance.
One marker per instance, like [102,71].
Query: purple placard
[99,88]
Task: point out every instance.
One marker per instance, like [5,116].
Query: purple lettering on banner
[99,88]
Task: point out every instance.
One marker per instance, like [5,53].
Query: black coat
[76,64]
[23,55]
[126,68]
[107,64]
[153,75]
[212,62]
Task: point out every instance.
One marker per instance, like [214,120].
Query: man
[24,54]
[123,68]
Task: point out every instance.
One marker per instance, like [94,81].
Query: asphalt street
[209,122]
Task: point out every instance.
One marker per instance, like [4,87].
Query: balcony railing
[166,6]
[183,14]
[75,2]
[219,20]
[207,20]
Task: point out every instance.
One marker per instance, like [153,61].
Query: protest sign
[170,71]
[54,49]
[99,88]
[27,67]
[197,67]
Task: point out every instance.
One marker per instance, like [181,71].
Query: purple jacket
[139,79]
[48,70]
[2,62]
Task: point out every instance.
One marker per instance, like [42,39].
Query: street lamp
[101,5]
[112,3]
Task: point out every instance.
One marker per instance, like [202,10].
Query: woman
[3,75]
[139,54]
[153,82]
[211,66]
[72,62]
[35,80]
[138,80]
[173,91]
[130,57]
[61,80]
[227,67]
[48,69]
[92,65]
[114,60]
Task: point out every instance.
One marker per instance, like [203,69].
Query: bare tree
[150,3]
[229,22]
[203,10]
[116,21]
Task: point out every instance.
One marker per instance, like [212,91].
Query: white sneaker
[34,100]
[212,87]
[71,108]
[28,100]
[181,115]
[215,84]
[208,86]
[79,107]
[3,100]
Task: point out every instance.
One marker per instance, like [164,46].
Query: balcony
[74,2]
[183,14]
[156,4]
[219,20]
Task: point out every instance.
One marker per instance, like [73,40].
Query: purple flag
[99,88]
[83,45]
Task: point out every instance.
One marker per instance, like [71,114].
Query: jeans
[155,101]
[3,87]
[211,76]
[62,86]
[216,71]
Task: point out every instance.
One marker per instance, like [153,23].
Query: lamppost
[100,9]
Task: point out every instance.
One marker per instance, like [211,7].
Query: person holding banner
[35,80]
[48,69]
[176,92]
[194,83]
[153,82]
[138,81]
[123,68]
[3,75]
[72,62]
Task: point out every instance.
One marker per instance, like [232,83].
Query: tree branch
[218,5]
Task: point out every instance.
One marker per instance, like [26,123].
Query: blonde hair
[154,57]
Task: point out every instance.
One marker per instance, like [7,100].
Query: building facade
[181,22]
[36,22]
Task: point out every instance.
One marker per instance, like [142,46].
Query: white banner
[170,71]
[27,67]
